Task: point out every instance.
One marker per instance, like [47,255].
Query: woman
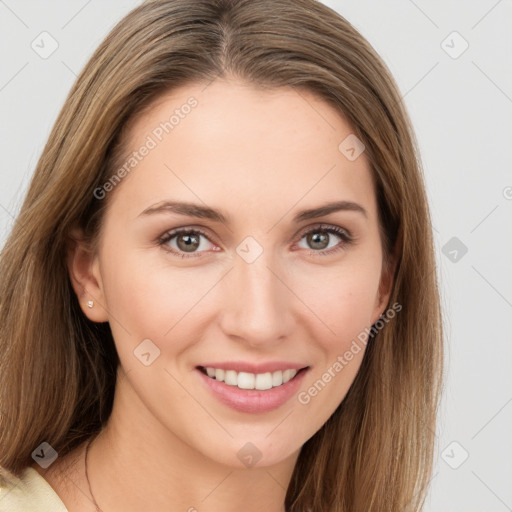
[220,292]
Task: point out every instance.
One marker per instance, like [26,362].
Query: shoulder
[28,493]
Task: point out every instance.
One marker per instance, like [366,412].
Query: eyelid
[184,229]
[324,226]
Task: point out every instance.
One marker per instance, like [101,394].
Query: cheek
[343,299]
[149,297]
[344,305]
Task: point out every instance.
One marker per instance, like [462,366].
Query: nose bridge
[258,305]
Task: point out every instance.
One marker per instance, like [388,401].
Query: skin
[260,156]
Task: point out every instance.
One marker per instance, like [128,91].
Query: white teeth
[277,378]
[288,374]
[263,381]
[230,377]
[245,380]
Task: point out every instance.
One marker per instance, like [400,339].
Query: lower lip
[253,400]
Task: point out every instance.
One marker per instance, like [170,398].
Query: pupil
[190,242]
[317,238]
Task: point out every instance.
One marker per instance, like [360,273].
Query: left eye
[318,237]
[186,243]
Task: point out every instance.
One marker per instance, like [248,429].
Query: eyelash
[346,239]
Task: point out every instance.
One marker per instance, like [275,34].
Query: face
[246,285]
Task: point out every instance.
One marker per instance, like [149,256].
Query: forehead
[231,143]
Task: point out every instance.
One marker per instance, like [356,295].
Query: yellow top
[30,493]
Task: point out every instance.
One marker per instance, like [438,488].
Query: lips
[251,400]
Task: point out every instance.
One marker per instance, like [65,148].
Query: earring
[90,303]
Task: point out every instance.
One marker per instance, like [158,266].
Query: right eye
[184,242]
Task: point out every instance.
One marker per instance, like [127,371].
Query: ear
[84,272]
[385,287]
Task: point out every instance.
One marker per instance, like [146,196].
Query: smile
[263,390]
[246,380]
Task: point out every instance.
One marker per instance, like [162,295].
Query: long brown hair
[58,369]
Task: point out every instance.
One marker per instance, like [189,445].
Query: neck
[136,463]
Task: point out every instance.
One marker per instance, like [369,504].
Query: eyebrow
[205,212]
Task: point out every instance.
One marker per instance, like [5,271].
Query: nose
[257,304]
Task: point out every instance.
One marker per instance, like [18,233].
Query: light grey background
[461,109]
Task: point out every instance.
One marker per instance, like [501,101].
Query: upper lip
[243,366]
